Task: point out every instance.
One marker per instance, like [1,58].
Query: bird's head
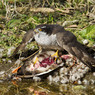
[40,29]
[43,29]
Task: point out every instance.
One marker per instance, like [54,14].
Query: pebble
[73,78]
[9,61]
[56,79]
[1,50]
[66,73]
[85,42]
[50,78]
[94,90]
[1,81]
[81,75]
[18,62]
[82,66]
[61,70]
[79,82]
[79,70]
[64,80]
[92,81]
[36,79]
[93,73]
[4,60]
[61,75]
[10,50]
[2,72]
[85,82]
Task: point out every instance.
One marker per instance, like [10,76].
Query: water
[29,87]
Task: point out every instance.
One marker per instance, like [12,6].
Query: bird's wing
[28,37]
[69,42]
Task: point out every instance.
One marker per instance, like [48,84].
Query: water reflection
[28,87]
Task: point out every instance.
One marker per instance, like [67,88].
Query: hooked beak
[37,30]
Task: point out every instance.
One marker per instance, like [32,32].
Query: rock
[18,61]
[36,79]
[64,80]
[85,42]
[92,81]
[1,81]
[3,59]
[56,79]
[9,61]
[50,78]
[73,78]
[2,72]
[10,51]
[1,50]
[85,82]
[61,71]
[79,82]
[94,74]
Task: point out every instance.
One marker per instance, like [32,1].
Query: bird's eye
[40,29]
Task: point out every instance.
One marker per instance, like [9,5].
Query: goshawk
[56,37]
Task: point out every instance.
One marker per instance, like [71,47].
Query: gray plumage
[55,37]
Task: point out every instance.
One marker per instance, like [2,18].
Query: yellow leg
[55,55]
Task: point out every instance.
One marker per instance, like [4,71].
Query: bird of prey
[53,36]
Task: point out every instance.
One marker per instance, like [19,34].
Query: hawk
[53,36]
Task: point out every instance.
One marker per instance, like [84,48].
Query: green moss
[12,34]
[88,33]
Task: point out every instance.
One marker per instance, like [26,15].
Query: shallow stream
[29,87]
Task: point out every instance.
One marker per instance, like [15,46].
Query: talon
[35,60]
[55,55]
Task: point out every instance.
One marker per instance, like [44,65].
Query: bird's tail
[89,61]
[89,50]
[85,56]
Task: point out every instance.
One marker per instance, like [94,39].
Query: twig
[69,22]
[31,55]
[63,11]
